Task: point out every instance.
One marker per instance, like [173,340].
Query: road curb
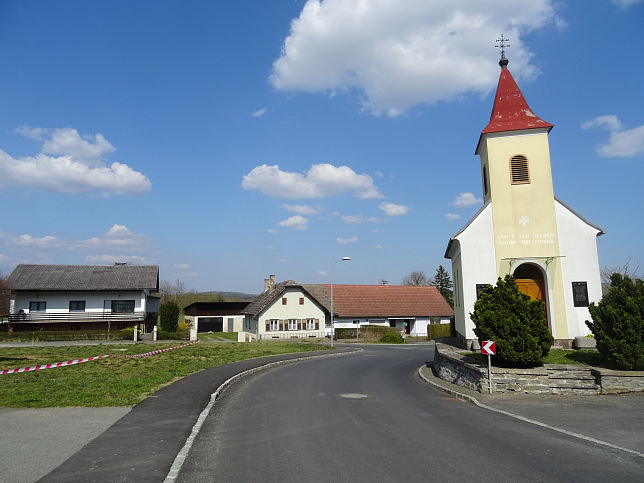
[180,459]
[473,400]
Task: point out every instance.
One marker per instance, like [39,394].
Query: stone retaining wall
[550,379]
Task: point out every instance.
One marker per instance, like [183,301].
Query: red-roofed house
[289,309]
[408,308]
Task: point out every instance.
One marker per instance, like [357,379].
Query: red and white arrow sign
[488,348]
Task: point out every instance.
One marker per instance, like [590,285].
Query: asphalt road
[369,417]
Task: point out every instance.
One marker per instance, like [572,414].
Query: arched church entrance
[531,281]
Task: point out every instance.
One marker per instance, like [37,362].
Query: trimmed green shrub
[344,333]
[392,339]
[57,335]
[515,323]
[166,335]
[434,331]
[373,333]
[127,334]
[618,322]
[169,316]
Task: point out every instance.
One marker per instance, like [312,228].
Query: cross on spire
[502,43]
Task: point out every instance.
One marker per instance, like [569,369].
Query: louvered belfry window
[519,173]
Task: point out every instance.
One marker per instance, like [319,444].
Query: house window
[485,180]
[519,173]
[480,287]
[275,324]
[283,300]
[122,306]
[301,300]
[580,294]
[310,324]
[77,306]
[292,324]
[37,306]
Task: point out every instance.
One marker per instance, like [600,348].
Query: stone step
[572,375]
[573,384]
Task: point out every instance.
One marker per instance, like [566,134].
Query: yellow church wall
[524,220]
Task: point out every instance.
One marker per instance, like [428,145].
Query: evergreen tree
[169,316]
[514,322]
[444,284]
[618,322]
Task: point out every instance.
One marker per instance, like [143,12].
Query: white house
[286,310]
[522,229]
[289,309]
[83,297]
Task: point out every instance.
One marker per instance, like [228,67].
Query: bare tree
[171,290]
[416,278]
[628,268]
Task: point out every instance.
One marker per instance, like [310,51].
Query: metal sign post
[489,348]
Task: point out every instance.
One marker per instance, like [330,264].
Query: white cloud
[621,142]
[298,222]
[464,200]
[379,247]
[399,53]
[283,260]
[392,209]
[69,163]
[259,112]
[182,267]
[356,219]
[347,241]
[624,3]
[452,216]
[118,236]
[609,121]
[44,242]
[320,181]
[272,231]
[320,273]
[112,259]
[303,209]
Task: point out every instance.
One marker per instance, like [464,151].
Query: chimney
[272,282]
[265,285]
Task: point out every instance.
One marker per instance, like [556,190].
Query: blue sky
[226,141]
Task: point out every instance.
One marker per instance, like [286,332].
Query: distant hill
[232,296]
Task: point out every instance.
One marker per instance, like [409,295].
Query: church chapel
[522,228]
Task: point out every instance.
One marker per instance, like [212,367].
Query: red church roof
[511,111]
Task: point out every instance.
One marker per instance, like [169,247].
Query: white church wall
[477,265]
[580,263]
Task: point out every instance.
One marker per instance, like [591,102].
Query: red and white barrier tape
[86,359]
[160,350]
[51,366]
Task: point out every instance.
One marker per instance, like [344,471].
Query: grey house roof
[317,293]
[84,277]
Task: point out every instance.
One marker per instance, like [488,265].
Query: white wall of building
[293,309]
[580,263]
[231,323]
[476,253]
[58,302]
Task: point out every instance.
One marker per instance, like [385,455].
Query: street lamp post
[343,259]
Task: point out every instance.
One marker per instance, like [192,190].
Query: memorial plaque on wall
[580,294]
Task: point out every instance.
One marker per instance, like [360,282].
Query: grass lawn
[556,356]
[215,336]
[116,381]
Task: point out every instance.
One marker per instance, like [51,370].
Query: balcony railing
[44,317]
